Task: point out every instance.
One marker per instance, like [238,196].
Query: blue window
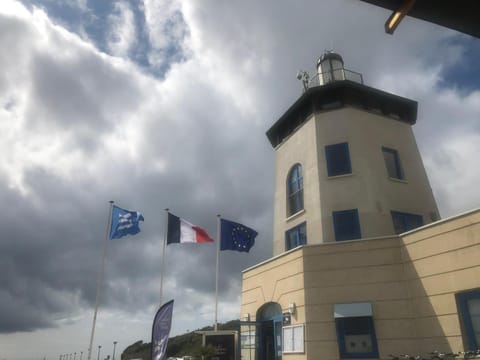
[403,222]
[469,312]
[338,159]
[296,236]
[346,225]
[356,337]
[392,163]
[295,190]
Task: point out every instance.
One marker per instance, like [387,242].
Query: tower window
[346,225]
[392,162]
[403,222]
[469,311]
[356,337]
[338,159]
[296,236]
[295,190]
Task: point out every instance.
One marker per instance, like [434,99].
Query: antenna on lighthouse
[304,77]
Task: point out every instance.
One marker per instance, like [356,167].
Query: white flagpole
[165,234]
[100,279]
[216,273]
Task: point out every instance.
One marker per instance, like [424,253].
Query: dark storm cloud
[65,91]
[45,252]
[212,165]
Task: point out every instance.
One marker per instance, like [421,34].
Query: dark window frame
[341,324]
[338,159]
[409,221]
[300,239]
[295,190]
[468,333]
[394,170]
[339,217]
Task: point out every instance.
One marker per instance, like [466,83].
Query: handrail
[334,75]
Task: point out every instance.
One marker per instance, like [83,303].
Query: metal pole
[162,266]
[100,280]
[98,354]
[114,344]
[74,356]
[216,273]
[81,355]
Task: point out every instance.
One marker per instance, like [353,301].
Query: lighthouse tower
[347,164]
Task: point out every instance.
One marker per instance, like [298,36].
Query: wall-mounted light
[394,20]
[292,308]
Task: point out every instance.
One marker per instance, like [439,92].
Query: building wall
[357,271]
[279,280]
[367,189]
[410,280]
[300,148]
[440,261]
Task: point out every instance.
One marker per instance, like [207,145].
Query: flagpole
[100,279]
[216,272]
[165,234]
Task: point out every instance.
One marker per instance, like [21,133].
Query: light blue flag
[124,222]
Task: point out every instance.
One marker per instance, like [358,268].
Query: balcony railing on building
[327,77]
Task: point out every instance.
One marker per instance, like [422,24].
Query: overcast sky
[165,103]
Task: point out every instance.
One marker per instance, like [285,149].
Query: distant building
[363,266]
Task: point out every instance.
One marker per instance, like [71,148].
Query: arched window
[269,311]
[295,190]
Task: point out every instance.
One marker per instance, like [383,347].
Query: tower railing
[335,75]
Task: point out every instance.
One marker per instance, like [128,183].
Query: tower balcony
[340,74]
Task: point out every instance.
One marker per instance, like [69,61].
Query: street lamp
[81,355]
[98,355]
[74,356]
[114,345]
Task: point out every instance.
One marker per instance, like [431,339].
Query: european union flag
[124,222]
[235,236]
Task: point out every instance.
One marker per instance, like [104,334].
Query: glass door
[277,327]
[249,343]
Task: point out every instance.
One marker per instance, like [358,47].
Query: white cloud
[122,34]
[167,31]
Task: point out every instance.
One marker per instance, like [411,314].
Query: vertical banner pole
[216,273]
[100,279]
[165,234]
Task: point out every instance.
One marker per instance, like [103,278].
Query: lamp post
[81,355]
[75,356]
[98,355]
[114,345]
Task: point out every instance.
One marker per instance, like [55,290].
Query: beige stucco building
[362,265]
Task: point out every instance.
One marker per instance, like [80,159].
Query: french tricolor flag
[181,231]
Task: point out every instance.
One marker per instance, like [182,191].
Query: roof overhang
[339,94]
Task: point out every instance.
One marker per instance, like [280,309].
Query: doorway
[269,317]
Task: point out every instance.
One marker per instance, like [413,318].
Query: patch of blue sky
[92,20]
[463,74]
[62,12]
